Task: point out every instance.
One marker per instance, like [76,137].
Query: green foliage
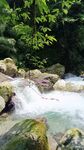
[9,42]
[3,4]
[43,29]
[35,35]
[37,62]
[70,35]
[42,6]
[3,15]
[31,28]
[6,44]
[7,47]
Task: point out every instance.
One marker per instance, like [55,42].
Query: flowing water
[62,110]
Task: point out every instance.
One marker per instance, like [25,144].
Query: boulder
[71,87]
[8,60]
[60,85]
[2,103]
[52,142]
[8,67]
[68,86]
[4,77]
[2,66]
[33,74]
[21,73]
[55,69]
[46,81]
[53,78]
[82,74]
[26,135]
[73,139]
[6,90]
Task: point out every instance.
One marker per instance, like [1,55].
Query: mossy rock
[11,68]
[73,139]
[33,74]
[6,90]
[82,74]
[21,73]
[26,135]
[55,69]
[8,67]
[2,66]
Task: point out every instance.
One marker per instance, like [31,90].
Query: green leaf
[3,3]
[65,11]
[25,16]
[42,6]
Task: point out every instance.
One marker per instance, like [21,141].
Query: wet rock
[55,69]
[73,139]
[53,78]
[52,142]
[33,74]
[26,135]
[60,85]
[21,73]
[6,123]
[68,86]
[46,81]
[82,74]
[2,66]
[2,103]
[6,90]
[8,67]
[4,77]
[74,87]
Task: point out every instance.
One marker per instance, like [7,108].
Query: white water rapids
[61,114]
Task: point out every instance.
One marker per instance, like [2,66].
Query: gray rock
[55,69]
[2,103]
[4,77]
[46,81]
[73,139]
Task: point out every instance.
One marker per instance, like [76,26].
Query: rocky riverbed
[57,103]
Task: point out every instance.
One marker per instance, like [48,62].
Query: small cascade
[26,94]
[68,110]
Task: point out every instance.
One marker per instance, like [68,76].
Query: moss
[73,139]
[6,90]
[8,67]
[21,73]
[27,135]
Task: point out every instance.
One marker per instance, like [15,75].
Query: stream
[62,110]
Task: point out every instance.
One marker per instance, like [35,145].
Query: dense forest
[39,33]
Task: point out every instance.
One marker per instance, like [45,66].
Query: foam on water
[66,106]
[74,79]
